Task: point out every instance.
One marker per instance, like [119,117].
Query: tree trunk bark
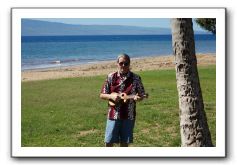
[193,122]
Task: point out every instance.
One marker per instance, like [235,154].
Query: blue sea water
[54,51]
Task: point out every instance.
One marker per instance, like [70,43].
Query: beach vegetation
[208,24]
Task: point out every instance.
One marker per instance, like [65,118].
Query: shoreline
[105,67]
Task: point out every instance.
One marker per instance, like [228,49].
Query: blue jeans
[119,131]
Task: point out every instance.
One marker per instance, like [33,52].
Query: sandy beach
[103,68]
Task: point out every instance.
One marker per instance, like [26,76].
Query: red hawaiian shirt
[130,84]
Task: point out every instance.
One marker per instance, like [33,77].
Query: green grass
[68,112]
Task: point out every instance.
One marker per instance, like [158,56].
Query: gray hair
[123,55]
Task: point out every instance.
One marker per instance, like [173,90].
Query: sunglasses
[123,63]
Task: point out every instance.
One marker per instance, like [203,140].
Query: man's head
[123,62]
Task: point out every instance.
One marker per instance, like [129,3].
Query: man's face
[123,65]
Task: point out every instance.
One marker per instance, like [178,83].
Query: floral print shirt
[130,84]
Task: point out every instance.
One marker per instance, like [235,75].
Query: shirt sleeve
[106,86]
[140,87]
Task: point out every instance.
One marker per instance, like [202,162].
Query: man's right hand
[115,97]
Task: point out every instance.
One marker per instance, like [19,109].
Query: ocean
[38,52]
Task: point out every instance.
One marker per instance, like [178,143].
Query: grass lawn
[68,112]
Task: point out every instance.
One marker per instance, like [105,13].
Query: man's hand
[137,98]
[115,97]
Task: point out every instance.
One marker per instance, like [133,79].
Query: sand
[103,68]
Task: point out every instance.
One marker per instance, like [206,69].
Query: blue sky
[144,22]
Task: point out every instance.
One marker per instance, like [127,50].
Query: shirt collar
[124,75]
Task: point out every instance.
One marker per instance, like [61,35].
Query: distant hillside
[44,28]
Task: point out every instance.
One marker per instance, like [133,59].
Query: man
[122,88]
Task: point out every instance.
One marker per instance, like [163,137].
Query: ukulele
[123,97]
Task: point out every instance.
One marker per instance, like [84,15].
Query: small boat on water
[56,62]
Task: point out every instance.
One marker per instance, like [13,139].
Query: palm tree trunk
[193,122]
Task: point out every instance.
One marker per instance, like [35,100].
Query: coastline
[105,67]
